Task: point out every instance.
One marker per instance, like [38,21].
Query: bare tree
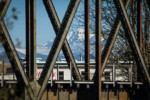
[146,35]
[121,50]
[10,19]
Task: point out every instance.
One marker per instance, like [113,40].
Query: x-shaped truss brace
[112,37]
[10,50]
[131,38]
[111,40]
[65,48]
[58,43]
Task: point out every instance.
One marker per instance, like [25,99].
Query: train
[62,71]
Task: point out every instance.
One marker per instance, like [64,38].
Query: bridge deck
[77,84]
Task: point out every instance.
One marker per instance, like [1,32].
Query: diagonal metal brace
[111,40]
[65,48]
[131,38]
[11,52]
[3,8]
[58,42]
[13,58]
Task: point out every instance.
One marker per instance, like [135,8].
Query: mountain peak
[75,39]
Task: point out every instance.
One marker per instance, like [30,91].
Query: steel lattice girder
[87,38]
[65,48]
[139,23]
[30,39]
[58,42]
[98,49]
[111,40]
[131,38]
[11,52]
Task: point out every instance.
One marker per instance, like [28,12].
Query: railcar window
[107,76]
[61,75]
[83,75]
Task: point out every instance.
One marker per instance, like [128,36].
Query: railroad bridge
[102,85]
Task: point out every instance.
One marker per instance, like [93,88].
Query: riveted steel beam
[58,42]
[30,39]
[11,52]
[65,48]
[87,38]
[139,23]
[98,50]
[139,28]
[131,39]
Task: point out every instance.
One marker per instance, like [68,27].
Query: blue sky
[44,29]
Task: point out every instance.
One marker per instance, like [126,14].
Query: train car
[62,71]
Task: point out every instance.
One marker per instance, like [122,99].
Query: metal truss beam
[30,39]
[111,39]
[139,29]
[11,52]
[65,48]
[58,42]
[131,38]
[98,50]
[87,38]
[3,8]
[139,23]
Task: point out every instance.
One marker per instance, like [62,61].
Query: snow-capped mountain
[76,42]
[46,45]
